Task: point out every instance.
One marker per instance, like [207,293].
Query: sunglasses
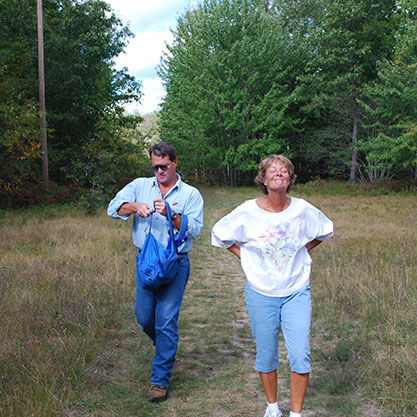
[156,168]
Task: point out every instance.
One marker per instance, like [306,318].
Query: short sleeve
[325,227]
[229,229]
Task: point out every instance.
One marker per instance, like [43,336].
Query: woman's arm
[235,249]
[312,244]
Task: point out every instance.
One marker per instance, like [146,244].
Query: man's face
[164,169]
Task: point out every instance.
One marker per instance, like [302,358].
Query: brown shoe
[157,393]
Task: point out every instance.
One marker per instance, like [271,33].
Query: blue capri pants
[293,315]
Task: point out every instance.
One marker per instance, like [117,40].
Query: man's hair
[162,149]
[266,163]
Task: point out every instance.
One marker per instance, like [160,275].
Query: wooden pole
[42,106]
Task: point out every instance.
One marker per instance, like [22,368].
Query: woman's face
[277,177]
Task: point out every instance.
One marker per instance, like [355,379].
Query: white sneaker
[276,413]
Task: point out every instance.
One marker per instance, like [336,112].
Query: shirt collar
[178,184]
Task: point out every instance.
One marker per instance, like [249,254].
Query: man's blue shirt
[182,198]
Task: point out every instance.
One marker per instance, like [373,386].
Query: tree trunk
[415,173]
[354,164]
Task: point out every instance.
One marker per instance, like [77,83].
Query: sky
[150,21]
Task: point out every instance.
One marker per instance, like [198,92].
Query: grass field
[70,346]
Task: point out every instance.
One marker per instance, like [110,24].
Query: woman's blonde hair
[266,163]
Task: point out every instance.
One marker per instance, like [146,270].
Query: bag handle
[181,235]
[184,224]
[171,228]
[149,227]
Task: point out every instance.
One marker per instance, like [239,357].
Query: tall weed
[364,287]
[62,283]
[69,345]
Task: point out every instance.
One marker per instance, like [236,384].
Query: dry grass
[62,280]
[366,292]
[69,344]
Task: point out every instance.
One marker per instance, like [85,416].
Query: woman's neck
[275,202]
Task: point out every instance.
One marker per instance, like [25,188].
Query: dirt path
[214,373]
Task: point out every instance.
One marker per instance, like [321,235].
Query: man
[157,311]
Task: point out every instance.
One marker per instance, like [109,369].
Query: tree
[229,76]
[348,41]
[81,41]
[310,79]
[84,93]
[149,127]
[19,127]
[392,150]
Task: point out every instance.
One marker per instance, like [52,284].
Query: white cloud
[153,91]
[151,22]
[142,14]
[144,51]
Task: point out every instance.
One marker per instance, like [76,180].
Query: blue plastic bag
[155,264]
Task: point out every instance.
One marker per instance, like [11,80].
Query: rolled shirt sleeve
[182,198]
[125,195]
[193,208]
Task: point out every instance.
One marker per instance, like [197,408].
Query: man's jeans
[157,312]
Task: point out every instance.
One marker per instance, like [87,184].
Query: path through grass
[70,345]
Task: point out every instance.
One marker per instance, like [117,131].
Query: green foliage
[106,162]
[229,75]
[80,50]
[245,79]
[348,38]
[342,188]
[19,126]
[84,93]
[392,149]
[19,143]
[148,129]
[331,84]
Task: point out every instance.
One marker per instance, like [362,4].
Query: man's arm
[194,210]
[141,209]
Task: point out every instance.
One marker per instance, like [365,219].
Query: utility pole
[42,106]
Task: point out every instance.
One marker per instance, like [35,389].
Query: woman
[272,236]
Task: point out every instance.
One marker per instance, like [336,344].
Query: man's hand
[141,209]
[160,206]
